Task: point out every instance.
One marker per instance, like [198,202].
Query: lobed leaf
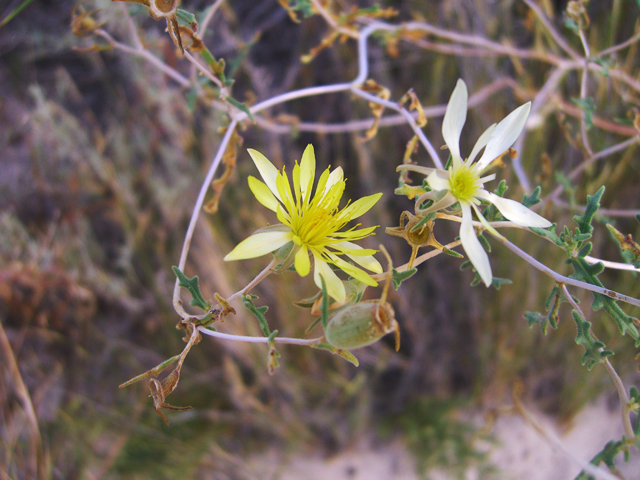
[192,285]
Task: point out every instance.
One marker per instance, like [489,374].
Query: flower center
[464,183]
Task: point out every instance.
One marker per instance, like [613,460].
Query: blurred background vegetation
[101,159]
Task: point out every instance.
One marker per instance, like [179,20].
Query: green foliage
[187,18]
[484,242]
[607,456]
[552,306]
[14,12]
[324,309]
[399,277]
[594,349]
[492,214]
[530,200]
[629,250]
[438,439]
[588,273]
[423,220]
[593,204]
[258,312]
[346,354]
[588,106]
[192,285]
[240,106]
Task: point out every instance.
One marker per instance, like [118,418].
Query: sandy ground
[521,453]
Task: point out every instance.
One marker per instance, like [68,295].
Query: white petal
[472,247]
[268,172]
[516,212]
[505,134]
[454,118]
[438,180]
[259,244]
[335,288]
[336,176]
[481,143]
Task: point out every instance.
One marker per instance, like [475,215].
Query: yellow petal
[263,194]
[361,256]
[307,171]
[359,207]
[296,182]
[354,271]
[284,189]
[267,171]
[335,288]
[302,263]
[259,244]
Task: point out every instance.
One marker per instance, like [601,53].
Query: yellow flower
[311,222]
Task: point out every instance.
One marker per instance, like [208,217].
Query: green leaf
[534,198]
[346,354]
[258,312]
[427,218]
[240,106]
[593,203]
[594,349]
[187,18]
[191,284]
[549,233]
[607,455]
[324,309]
[588,106]
[552,305]
[14,12]
[588,273]
[484,242]
[497,282]
[629,249]
[399,277]
[242,54]
[452,253]
[272,353]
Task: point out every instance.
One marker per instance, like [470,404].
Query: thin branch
[552,31]
[177,302]
[613,265]
[247,339]
[562,279]
[261,276]
[174,74]
[207,19]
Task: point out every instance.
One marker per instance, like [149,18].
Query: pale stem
[177,303]
[583,94]
[624,402]
[409,118]
[261,276]
[205,23]
[247,339]
[562,279]
[622,393]
[614,265]
[205,71]
[552,31]
[421,259]
[132,27]
[540,100]
[588,161]
[330,20]
[178,77]
[615,48]
[604,211]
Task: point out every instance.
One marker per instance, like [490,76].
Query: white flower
[463,182]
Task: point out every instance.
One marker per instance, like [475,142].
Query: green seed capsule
[362,324]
